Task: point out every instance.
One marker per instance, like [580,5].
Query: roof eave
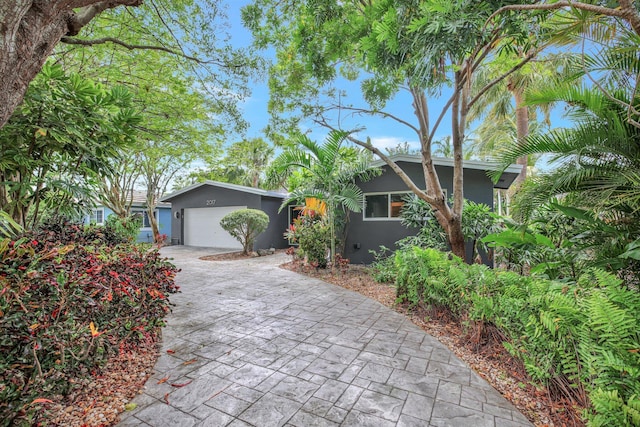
[227,186]
[505,181]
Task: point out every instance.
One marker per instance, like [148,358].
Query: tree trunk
[153,222]
[459,112]
[434,195]
[522,128]
[29,31]
[152,202]
[456,238]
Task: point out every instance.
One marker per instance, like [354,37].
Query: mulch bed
[100,398]
[233,256]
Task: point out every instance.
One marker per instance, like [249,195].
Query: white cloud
[384,142]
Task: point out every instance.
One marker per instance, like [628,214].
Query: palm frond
[8,227]
[351,197]
[291,159]
[330,150]
[311,146]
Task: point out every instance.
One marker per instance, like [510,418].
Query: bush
[123,230]
[477,222]
[245,225]
[314,241]
[579,339]
[312,234]
[69,299]
[383,268]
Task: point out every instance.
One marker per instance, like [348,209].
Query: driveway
[256,345]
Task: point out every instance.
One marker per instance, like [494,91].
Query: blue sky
[383,132]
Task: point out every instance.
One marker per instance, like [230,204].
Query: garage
[196,212]
[202,228]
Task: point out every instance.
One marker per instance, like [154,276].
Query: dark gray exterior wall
[278,223]
[370,234]
[198,197]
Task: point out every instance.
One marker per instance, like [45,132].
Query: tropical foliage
[597,159]
[330,171]
[477,223]
[244,163]
[70,297]
[580,340]
[390,47]
[66,133]
[312,234]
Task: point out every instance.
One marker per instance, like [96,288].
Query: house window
[97,216]
[383,205]
[145,216]
[294,212]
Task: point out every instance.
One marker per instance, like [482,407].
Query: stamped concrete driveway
[253,344]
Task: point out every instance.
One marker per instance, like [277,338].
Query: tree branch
[498,79]
[75,41]
[626,10]
[441,116]
[86,13]
[630,13]
[401,174]
[384,114]
[560,5]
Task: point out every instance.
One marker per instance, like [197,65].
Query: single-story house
[197,209]
[379,222]
[100,213]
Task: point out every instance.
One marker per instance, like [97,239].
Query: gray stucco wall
[364,235]
[278,223]
[197,198]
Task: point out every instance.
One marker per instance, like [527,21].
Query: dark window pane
[376,206]
[294,212]
[145,217]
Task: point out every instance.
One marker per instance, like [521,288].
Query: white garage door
[202,228]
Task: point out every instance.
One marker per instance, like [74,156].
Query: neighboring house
[162,213]
[198,209]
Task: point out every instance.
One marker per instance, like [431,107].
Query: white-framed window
[145,216]
[97,216]
[384,206]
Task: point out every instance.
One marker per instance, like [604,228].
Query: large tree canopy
[29,31]
[67,132]
[173,56]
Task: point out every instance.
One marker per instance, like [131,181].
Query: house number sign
[211,202]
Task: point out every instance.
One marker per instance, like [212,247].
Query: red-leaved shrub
[70,296]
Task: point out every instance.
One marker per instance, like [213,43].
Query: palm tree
[508,119]
[444,148]
[330,170]
[598,160]
[252,156]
